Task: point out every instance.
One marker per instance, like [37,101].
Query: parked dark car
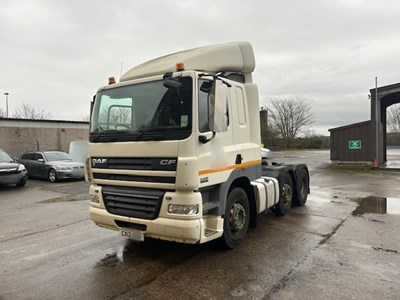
[11,171]
[52,165]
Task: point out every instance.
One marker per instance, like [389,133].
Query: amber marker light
[180,66]
[111,80]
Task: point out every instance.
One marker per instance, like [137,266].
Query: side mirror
[172,84]
[218,104]
[41,160]
[91,106]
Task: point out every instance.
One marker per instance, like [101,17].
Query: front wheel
[236,219]
[52,176]
[285,198]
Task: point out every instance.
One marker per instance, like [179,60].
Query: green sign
[354,144]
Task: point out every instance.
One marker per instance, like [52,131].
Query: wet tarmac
[378,205]
[344,244]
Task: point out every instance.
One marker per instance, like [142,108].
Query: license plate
[136,235]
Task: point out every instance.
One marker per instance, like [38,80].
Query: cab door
[216,151]
[240,124]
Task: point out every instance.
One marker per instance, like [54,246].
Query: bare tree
[290,116]
[2,113]
[27,111]
[393,118]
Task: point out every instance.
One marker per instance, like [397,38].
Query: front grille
[133,202]
[152,165]
[9,171]
[135,163]
[135,178]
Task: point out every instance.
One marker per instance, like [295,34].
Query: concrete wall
[19,136]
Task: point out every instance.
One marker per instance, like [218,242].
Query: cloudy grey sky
[55,54]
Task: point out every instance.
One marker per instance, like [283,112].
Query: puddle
[317,198]
[378,205]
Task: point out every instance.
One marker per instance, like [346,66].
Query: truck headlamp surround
[183,209]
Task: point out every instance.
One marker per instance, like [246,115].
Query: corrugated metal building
[365,142]
[352,143]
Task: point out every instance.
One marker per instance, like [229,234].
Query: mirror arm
[204,140]
[215,78]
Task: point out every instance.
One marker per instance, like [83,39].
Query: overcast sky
[55,54]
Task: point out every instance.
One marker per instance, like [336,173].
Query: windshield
[57,156]
[4,157]
[147,111]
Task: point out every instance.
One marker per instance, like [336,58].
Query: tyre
[236,219]
[52,176]
[285,198]
[302,188]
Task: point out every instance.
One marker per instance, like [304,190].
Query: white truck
[175,151]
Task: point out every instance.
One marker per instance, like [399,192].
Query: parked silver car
[11,171]
[52,165]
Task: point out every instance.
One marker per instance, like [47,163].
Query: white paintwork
[199,165]
[230,57]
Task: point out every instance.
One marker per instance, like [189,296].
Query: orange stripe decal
[242,166]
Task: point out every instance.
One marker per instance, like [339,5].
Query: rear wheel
[302,188]
[52,176]
[236,219]
[285,198]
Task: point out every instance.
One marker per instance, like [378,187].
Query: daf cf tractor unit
[175,150]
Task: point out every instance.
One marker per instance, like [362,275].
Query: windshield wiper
[104,135]
[115,131]
[111,135]
[153,131]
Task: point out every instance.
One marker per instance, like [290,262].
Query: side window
[203,106]
[28,156]
[241,106]
[37,156]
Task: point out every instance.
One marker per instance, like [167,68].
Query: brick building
[18,136]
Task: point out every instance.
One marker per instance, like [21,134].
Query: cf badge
[167,162]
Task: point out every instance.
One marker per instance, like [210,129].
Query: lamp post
[6,94]
[377,116]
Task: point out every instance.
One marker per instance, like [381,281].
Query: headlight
[94,199]
[21,168]
[182,209]
[64,168]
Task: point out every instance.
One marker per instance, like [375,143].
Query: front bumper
[182,231]
[13,178]
[190,229]
[72,174]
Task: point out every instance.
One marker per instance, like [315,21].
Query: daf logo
[99,161]
[167,162]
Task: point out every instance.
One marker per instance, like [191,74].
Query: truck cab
[174,150]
